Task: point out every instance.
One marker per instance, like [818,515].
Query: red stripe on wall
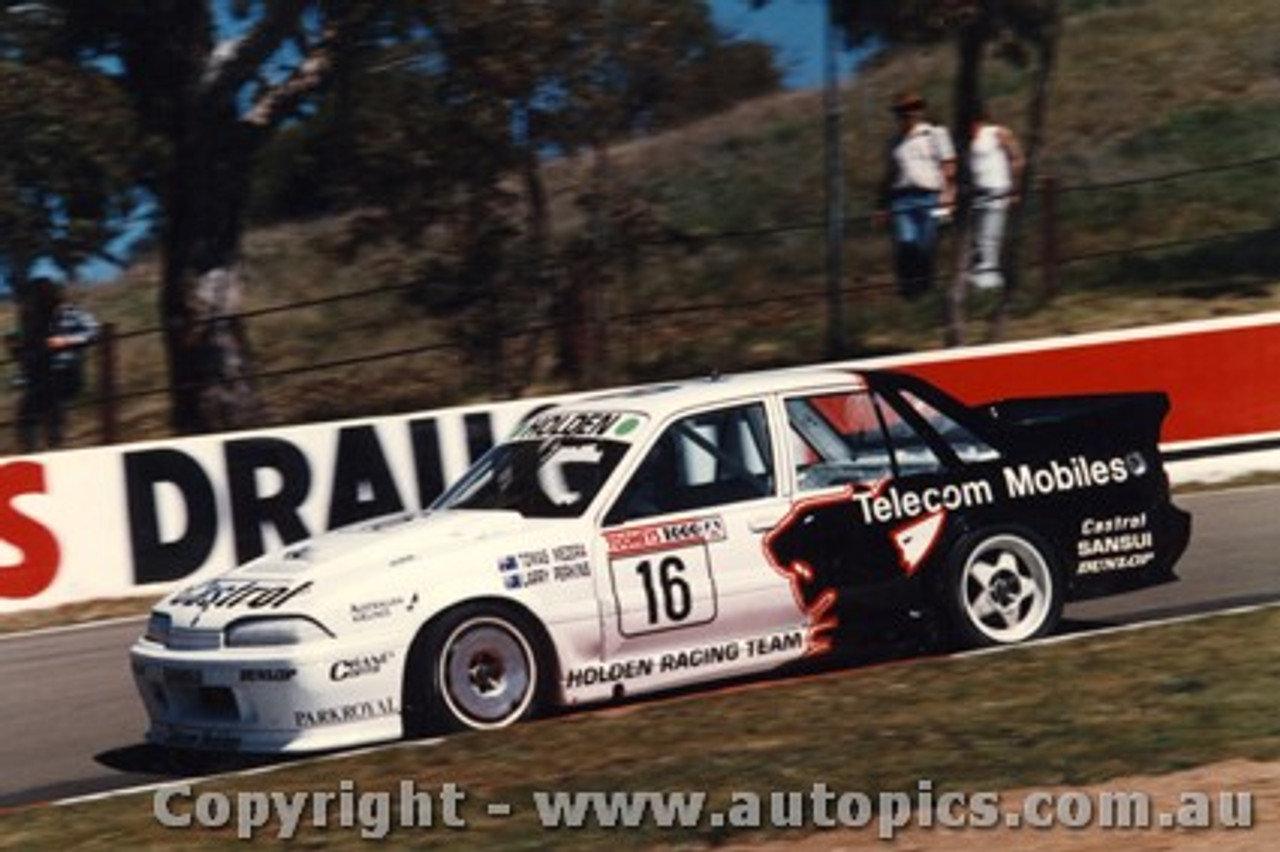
[1221,383]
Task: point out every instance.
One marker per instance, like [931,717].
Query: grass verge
[75,613]
[1137,702]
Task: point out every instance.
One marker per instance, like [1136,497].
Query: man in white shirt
[995,164]
[917,192]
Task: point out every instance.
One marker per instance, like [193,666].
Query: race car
[658,537]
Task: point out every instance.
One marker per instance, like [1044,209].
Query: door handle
[762,524]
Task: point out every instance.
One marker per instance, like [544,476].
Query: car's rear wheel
[1003,588]
[475,668]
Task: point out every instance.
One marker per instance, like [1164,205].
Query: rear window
[967,446]
[837,439]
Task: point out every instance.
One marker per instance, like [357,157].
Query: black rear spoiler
[1104,419]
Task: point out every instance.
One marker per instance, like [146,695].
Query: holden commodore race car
[659,537]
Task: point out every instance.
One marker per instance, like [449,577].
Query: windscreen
[553,467]
[554,478]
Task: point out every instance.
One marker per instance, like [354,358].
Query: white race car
[649,539]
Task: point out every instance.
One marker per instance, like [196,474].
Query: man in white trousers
[995,166]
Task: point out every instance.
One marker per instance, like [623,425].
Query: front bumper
[310,697]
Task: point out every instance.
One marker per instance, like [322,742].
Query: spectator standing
[995,164]
[51,354]
[917,192]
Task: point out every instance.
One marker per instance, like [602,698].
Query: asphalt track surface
[72,724]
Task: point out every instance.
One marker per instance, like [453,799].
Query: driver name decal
[561,564]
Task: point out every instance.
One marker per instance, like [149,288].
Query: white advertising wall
[134,519]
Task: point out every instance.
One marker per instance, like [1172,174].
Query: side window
[968,447]
[837,439]
[701,461]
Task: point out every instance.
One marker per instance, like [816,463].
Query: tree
[209,83]
[66,139]
[636,66]
[451,130]
[1042,28]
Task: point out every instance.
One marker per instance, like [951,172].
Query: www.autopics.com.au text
[376,813]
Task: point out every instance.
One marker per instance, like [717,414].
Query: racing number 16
[669,586]
[661,591]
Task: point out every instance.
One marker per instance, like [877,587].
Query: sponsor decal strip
[670,534]
[223,594]
[581,424]
[792,644]
[887,503]
[357,712]
[353,667]
[1118,543]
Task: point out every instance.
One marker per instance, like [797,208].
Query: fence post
[1049,237]
[107,405]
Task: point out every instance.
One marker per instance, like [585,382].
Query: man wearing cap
[917,192]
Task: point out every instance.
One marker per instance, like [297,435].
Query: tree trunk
[210,360]
[535,273]
[1037,120]
[973,40]
[601,236]
[202,297]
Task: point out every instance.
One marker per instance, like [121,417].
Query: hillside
[1164,132]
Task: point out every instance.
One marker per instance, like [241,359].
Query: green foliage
[743,182]
[1208,134]
[439,138]
[66,147]
[907,21]
[474,89]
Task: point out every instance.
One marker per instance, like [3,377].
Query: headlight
[158,626]
[259,632]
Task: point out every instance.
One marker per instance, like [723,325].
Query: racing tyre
[1002,588]
[475,668]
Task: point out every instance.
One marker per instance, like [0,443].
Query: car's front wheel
[1002,589]
[474,668]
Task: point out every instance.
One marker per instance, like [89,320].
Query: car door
[683,546]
